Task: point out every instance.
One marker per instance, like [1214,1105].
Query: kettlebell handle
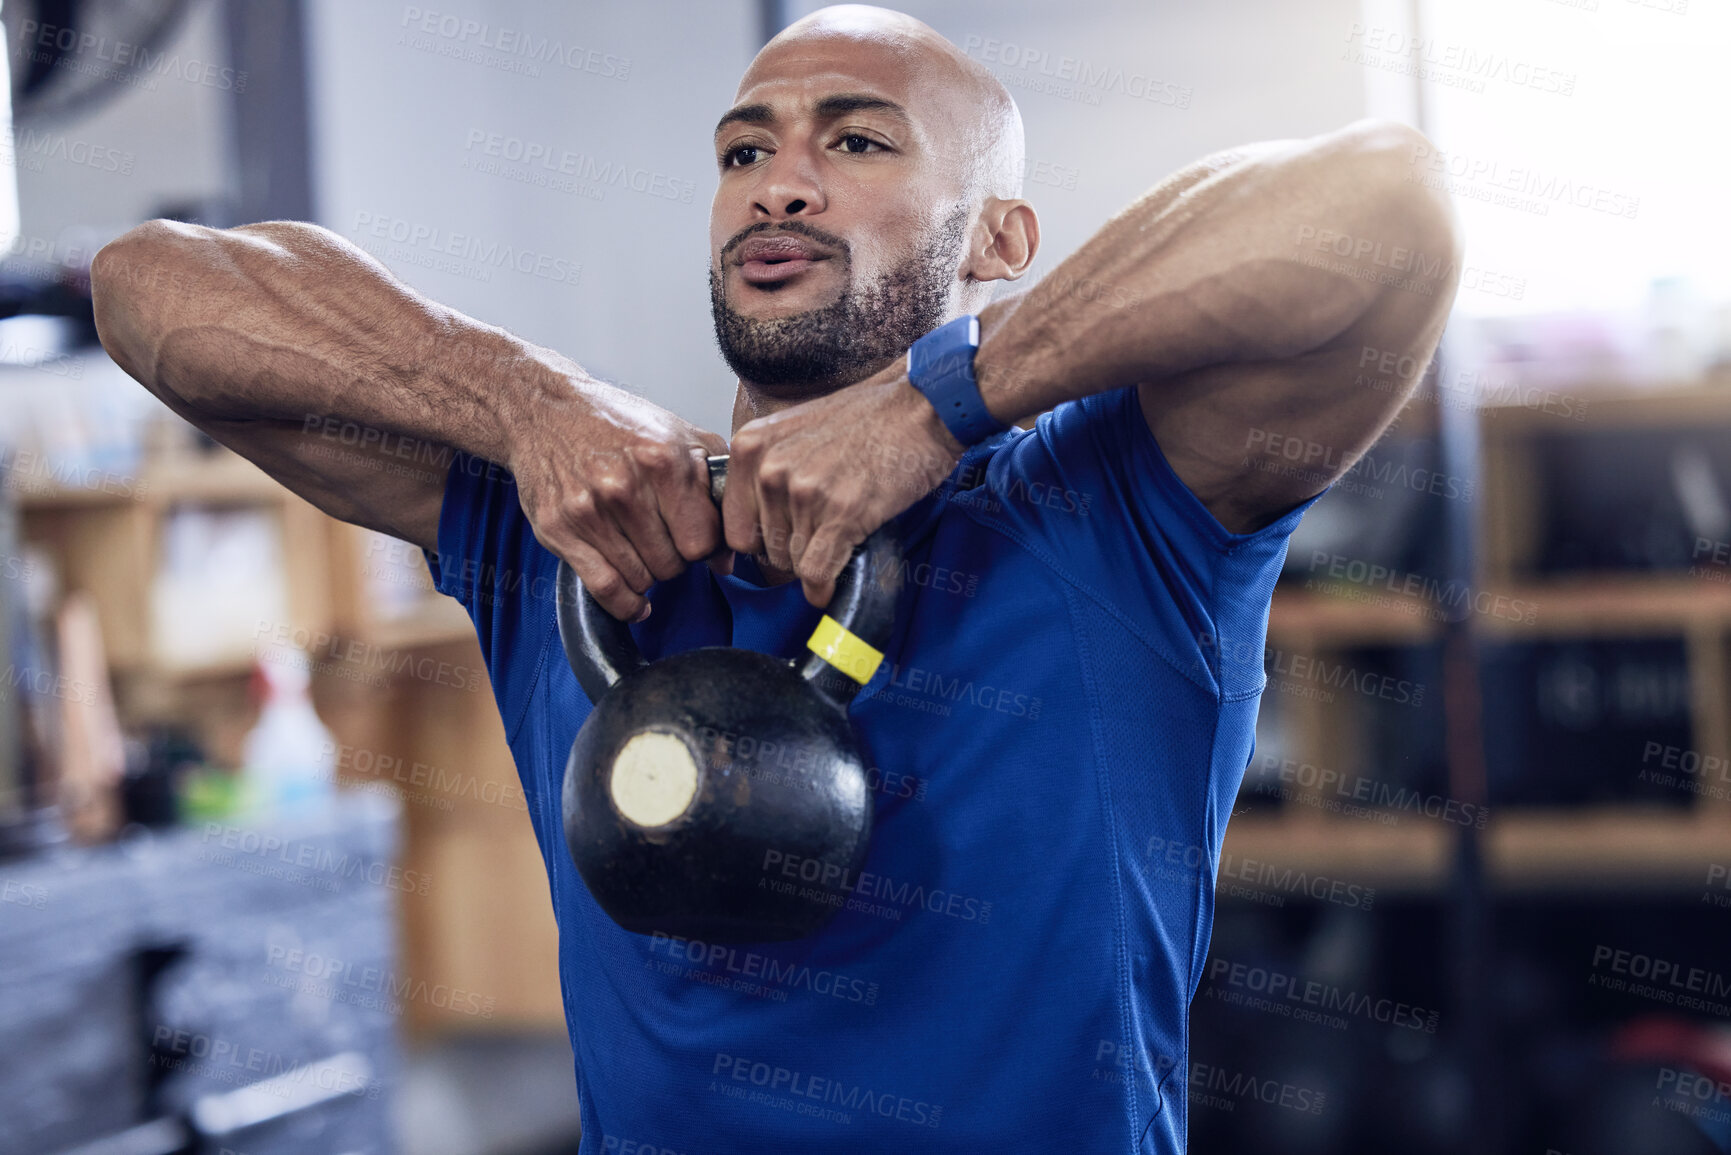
[842,654]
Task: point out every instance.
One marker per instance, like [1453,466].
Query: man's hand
[618,487]
[807,484]
[263,334]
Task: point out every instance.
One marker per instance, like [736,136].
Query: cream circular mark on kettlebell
[654,779]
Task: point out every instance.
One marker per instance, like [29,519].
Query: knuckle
[749,441]
[611,487]
[699,541]
[804,489]
[578,507]
[655,457]
[580,511]
[605,585]
[666,563]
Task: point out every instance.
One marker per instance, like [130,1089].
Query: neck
[750,403]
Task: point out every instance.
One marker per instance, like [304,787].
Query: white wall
[161,140]
[395,108]
[1247,69]
[392,123]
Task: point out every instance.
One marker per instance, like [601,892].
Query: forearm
[288,323]
[1209,269]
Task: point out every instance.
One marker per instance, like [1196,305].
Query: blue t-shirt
[1057,733]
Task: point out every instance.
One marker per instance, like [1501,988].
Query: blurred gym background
[267,883]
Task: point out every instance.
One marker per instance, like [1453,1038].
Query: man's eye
[743,155]
[856,143]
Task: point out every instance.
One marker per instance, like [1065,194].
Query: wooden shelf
[223,478]
[1604,850]
[1307,618]
[237,666]
[1635,605]
[1526,852]
[1614,405]
[1408,858]
[1612,606]
[438,621]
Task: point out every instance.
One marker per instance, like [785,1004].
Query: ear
[1005,239]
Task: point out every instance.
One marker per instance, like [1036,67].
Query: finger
[739,502]
[604,582]
[641,524]
[582,521]
[721,561]
[689,511]
[642,513]
[824,559]
[694,516]
[775,523]
[714,444]
[805,508]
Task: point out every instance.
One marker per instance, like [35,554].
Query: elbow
[136,261]
[1388,179]
[127,277]
[1401,175]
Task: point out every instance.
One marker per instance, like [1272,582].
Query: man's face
[838,230]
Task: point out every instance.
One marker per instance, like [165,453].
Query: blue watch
[941,366]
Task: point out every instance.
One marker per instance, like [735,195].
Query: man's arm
[1240,296]
[302,353]
[1208,293]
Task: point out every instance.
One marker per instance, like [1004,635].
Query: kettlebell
[720,794]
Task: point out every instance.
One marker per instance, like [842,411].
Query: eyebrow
[828,108]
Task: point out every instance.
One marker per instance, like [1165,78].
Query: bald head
[975,121]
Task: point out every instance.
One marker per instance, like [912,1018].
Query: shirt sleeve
[490,561]
[1089,490]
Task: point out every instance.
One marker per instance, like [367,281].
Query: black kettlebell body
[720,794]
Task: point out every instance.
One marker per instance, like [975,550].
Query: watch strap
[941,366]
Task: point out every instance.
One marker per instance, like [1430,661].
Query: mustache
[812,232]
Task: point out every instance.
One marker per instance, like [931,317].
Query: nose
[790,187]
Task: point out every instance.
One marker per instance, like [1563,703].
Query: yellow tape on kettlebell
[845,651]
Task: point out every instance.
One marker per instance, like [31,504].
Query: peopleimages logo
[1073,77]
[462,253]
[374,987]
[117,60]
[520,50]
[536,156]
[1287,993]
[864,885]
[800,1089]
[32,148]
[1334,790]
[748,970]
[1529,189]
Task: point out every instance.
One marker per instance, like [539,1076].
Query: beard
[849,339]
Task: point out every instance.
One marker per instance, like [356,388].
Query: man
[1067,703]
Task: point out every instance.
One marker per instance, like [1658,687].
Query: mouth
[769,272]
[774,260]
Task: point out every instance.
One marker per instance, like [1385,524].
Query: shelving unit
[482,925]
[1528,851]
